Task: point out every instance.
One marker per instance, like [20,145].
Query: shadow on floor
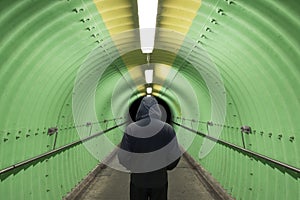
[110,184]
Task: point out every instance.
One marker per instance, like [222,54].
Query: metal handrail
[62,148]
[249,152]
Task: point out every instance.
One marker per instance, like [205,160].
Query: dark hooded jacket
[149,134]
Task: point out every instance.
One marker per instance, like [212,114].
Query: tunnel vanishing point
[229,70]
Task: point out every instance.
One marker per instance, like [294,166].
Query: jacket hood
[148,108]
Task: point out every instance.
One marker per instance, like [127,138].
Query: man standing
[149,149]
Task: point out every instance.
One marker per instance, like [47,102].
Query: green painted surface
[43,44]
[256,48]
[254,45]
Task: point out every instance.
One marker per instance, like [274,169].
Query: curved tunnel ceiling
[240,59]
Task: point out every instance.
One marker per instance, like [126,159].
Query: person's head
[148,108]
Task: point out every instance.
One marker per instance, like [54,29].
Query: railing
[244,150]
[57,150]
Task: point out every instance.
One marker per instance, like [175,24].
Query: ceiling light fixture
[147,12]
[149,90]
[149,75]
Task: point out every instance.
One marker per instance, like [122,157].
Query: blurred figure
[149,149]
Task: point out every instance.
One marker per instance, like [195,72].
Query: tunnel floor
[110,184]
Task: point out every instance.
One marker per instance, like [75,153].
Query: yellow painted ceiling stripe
[117,15]
[176,15]
[121,15]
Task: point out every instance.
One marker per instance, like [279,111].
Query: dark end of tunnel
[165,109]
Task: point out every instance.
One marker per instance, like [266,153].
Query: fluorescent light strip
[149,75]
[147,11]
[149,90]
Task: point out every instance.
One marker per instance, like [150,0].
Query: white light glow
[149,90]
[149,75]
[147,11]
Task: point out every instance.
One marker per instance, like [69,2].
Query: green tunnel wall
[254,45]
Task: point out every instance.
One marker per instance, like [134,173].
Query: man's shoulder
[168,126]
[160,123]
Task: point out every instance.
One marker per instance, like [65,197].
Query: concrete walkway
[110,184]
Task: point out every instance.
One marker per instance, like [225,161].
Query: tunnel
[72,72]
